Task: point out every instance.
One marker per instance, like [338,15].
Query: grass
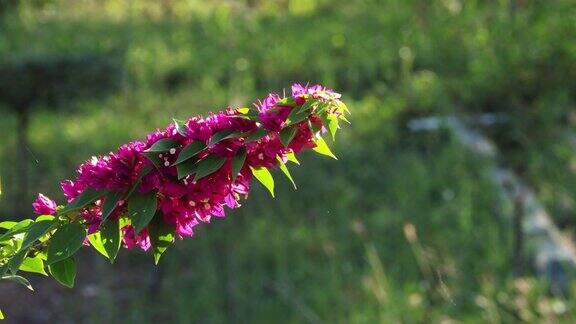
[403,227]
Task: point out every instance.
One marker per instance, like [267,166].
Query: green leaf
[285,170]
[110,236]
[17,228]
[65,242]
[16,260]
[286,135]
[161,236]
[258,134]
[141,175]
[154,158]
[64,271]
[141,209]
[186,168]
[1,315]
[288,101]
[123,221]
[18,279]
[306,106]
[7,224]
[238,162]
[190,151]
[333,126]
[322,148]
[295,117]
[250,115]
[163,145]
[264,177]
[95,240]
[39,228]
[292,158]
[180,127]
[342,107]
[208,165]
[344,119]
[222,135]
[107,240]
[321,107]
[314,127]
[35,265]
[88,196]
[331,123]
[42,218]
[247,113]
[111,201]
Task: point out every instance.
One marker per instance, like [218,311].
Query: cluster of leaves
[47,245]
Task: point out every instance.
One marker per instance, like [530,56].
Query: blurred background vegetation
[405,227]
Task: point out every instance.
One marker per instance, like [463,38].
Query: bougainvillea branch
[147,193]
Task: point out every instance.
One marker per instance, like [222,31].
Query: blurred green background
[405,227]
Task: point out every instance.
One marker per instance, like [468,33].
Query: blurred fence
[535,232]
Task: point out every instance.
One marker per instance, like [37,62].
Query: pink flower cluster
[185,203]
